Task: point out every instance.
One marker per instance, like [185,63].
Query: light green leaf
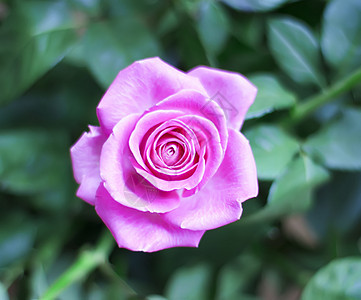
[213,27]
[111,46]
[338,145]
[341,35]
[339,280]
[271,96]
[292,191]
[296,50]
[191,283]
[155,297]
[32,160]
[255,5]
[34,40]
[272,148]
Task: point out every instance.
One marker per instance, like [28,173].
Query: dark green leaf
[32,160]
[339,280]
[271,96]
[33,40]
[191,283]
[272,148]
[255,5]
[338,145]
[249,30]
[189,45]
[296,50]
[237,276]
[111,46]
[330,215]
[213,27]
[17,236]
[292,191]
[341,35]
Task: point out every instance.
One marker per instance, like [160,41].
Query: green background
[299,239]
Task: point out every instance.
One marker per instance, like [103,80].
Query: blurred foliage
[303,231]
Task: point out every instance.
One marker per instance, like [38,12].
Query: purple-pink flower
[168,161]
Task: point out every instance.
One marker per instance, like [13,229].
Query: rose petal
[233,92]
[169,185]
[210,139]
[141,231]
[85,156]
[219,202]
[140,86]
[194,103]
[121,180]
[162,181]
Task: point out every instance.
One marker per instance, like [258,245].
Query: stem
[108,270]
[86,262]
[311,104]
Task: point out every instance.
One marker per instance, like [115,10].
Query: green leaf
[341,35]
[271,96]
[292,191]
[32,160]
[17,234]
[213,27]
[121,9]
[296,50]
[111,46]
[34,40]
[249,30]
[272,148]
[155,297]
[338,145]
[190,47]
[90,7]
[191,283]
[255,5]
[329,215]
[340,279]
[235,277]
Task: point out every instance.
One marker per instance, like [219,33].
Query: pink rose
[168,161]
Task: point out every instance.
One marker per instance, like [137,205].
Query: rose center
[170,151]
[170,154]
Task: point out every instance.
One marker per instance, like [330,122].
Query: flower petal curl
[233,92]
[140,86]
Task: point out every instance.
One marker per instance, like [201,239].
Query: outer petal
[141,231]
[140,86]
[219,202]
[233,92]
[85,156]
[121,180]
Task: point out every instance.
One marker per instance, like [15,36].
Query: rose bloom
[168,161]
